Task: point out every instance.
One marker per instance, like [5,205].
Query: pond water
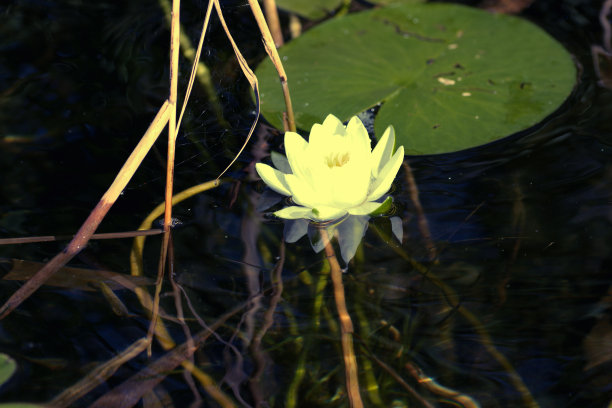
[514,311]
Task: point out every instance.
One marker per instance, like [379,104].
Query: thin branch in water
[106,235]
[432,386]
[399,379]
[178,304]
[132,390]
[229,378]
[98,375]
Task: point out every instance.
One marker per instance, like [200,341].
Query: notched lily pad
[448,77]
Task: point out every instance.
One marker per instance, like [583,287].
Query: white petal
[349,184]
[359,138]
[365,208]
[382,184]
[302,192]
[294,213]
[383,151]
[333,125]
[273,178]
[281,162]
[295,147]
[322,134]
[318,137]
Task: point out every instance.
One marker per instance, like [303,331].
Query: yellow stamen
[337,160]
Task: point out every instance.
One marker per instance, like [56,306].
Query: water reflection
[521,230]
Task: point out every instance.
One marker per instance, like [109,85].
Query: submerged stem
[346,325]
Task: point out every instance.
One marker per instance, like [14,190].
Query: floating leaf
[449,77]
[7,368]
[310,9]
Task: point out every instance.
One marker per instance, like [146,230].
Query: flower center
[337,159]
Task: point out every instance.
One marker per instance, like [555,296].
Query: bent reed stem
[95,217]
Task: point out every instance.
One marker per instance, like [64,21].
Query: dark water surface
[522,229]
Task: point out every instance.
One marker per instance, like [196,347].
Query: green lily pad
[310,9]
[448,77]
[7,368]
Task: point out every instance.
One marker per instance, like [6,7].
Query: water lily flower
[335,173]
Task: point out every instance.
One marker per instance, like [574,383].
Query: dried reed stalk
[273,54]
[95,217]
[273,21]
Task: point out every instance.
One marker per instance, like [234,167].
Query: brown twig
[172,133]
[106,235]
[432,386]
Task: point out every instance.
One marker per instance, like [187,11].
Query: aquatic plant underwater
[232,310]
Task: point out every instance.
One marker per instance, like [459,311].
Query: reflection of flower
[336,172]
[349,231]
